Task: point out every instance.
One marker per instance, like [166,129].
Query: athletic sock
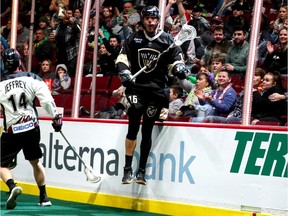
[128,160]
[43,194]
[11,184]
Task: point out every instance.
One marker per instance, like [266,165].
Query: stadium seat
[179,118]
[102,83]
[88,56]
[233,122]
[238,83]
[67,104]
[86,85]
[72,82]
[215,121]
[284,120]
[101,101]
[267,123]
[115,83]
[112,100]
[59,99]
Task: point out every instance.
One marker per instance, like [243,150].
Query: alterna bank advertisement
[221,167]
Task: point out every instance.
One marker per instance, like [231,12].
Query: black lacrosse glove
[126,78]
[180,71]
[57,123]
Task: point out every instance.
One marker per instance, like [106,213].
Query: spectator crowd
[217,57]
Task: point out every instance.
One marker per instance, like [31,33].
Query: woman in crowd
[108,17]
[106,61]
[276,58]
[46,70]
[46,73]
[192,106]
[267,110]
[77,14]
[279,22]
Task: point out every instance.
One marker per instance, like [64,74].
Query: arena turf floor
[27,206]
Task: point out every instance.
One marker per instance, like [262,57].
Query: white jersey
[17,98]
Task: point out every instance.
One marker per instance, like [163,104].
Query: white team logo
[151,111]
[145,56]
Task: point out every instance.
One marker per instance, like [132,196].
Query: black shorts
[148,114]
[12,144]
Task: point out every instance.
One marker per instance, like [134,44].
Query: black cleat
[45,202]
[127,178]
[11,201]
[140,177]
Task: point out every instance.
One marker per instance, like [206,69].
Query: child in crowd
[175,98]
[62,80]
[217,63]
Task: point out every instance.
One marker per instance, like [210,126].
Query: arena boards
[193,169]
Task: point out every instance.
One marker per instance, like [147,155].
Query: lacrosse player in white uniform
[18,91]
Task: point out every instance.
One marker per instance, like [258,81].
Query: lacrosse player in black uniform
[146,93]
[21,125]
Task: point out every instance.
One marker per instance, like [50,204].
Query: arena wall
[193,169]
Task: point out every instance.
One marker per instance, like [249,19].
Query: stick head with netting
[186,33]
[92,177]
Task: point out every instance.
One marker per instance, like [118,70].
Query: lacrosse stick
[89,172]
[186,33]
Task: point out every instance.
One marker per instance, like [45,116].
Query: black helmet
[11,59]
[150,11]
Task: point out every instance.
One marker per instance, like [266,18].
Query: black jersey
[140,49]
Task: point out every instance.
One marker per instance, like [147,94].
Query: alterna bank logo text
[60,156]
[268,155]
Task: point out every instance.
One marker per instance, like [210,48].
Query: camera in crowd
[61,11]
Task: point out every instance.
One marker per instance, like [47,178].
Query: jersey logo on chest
[145,56]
